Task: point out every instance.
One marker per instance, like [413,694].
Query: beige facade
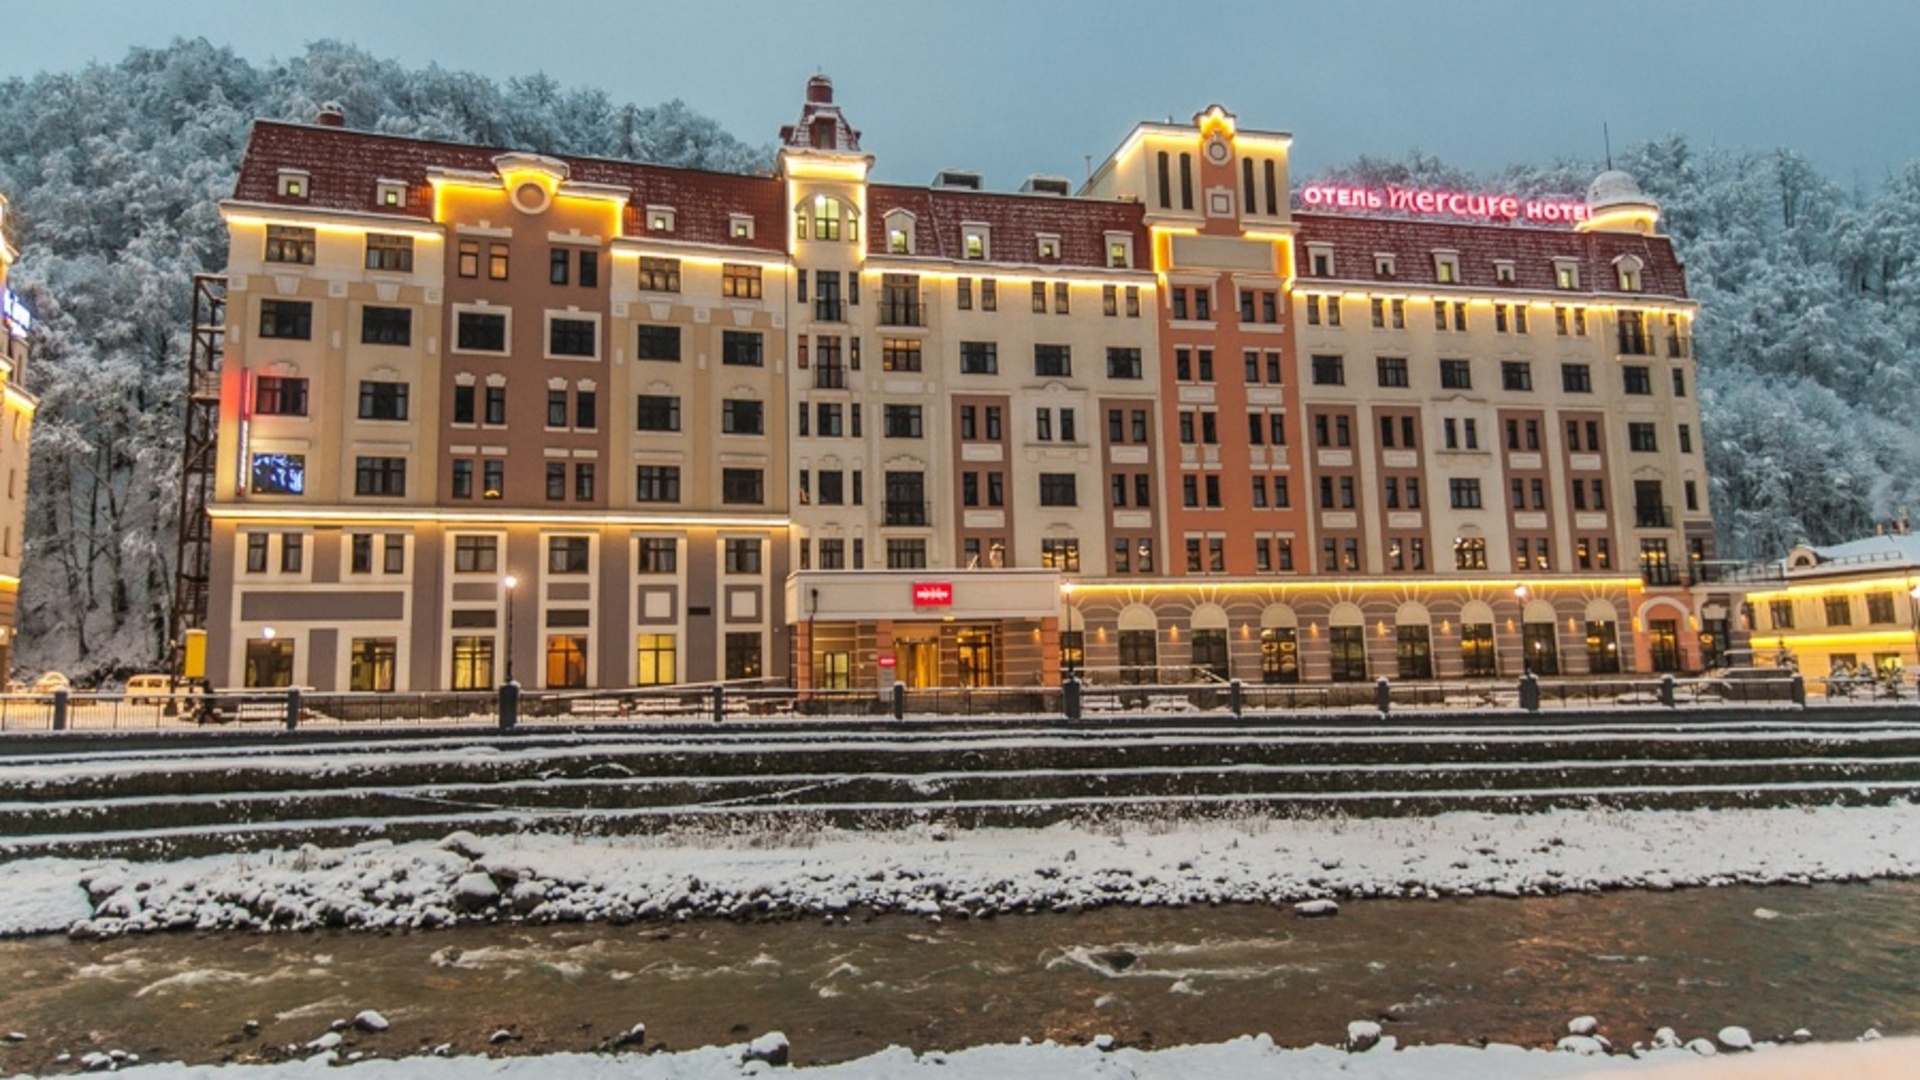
[1185,423]
[16,432]
[1852,607]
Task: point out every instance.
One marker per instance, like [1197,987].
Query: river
[1836,959]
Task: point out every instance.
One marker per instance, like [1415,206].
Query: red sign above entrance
[1449,203]
[932,594]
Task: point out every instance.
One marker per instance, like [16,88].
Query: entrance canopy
[855,595]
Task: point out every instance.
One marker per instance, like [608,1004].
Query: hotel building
[1852,606]
[16,431]
[805,426]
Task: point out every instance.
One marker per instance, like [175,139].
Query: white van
[151,689]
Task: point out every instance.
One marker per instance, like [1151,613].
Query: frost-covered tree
[115,174]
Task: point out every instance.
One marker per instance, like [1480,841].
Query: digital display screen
[279,474]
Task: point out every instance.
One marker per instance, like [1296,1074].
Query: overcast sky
[1013,87]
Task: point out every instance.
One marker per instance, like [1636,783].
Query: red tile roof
[345,166]
[1356,240]
[1016,221]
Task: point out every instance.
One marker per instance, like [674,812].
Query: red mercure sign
[932,594]
[1447,203]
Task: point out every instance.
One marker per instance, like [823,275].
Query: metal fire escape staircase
[197,460]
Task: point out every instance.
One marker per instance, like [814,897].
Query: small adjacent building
[1851,606]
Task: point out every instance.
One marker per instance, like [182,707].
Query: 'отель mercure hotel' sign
[1446,203]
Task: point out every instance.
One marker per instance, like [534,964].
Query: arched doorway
[1139,633]
[1347,643]
[1209,626]
[1478,660]
[1279,645]
[1413,629]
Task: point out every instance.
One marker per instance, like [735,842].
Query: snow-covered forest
[1809,340]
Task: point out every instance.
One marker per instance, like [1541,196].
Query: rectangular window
[1880,607]
[658,555]
[1058,489]
[740,281]
[1456,374]
[657,412]
[1637,379]
[1576,378]
[1053,361]
[568,554]
[463,404]
[743,486]
[497,262]
[293,548]
[388,252]
[1781,612]
[742,417]
[656,483]
[1516,375]
[476,554]
[572,337]
[1839,611]
[290,244]
[496,405]
[583,482]
[899,354]
[1465,493]
[1329,371]
[286,319]
[462,479]
[386,326]
[1392,371]
[469,263]
[1060,554]
[380,476]
[1123,363]
[901,422]
[655,660]
[371,664]
[741,348]
[1641,437]
[279,395]
[659,275]
[979,358]
[658,343]
[383,401]
[481,331]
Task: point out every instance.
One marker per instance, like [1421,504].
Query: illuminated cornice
[235,212]
[1187,585]
[21,400]
[451,516]
[825,165]
[1830,585]
[1837,637]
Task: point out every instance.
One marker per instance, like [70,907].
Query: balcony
[1634,344]
[1659,574]
[830,377]
[904,512]
[903,313]
[1680,346]
[1653,517]
[830,309]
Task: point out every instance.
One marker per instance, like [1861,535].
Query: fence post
[293,707]
[1530,692]
[719,703]
[1798,688]
[1237,698]
[899,701]
[1666,690]
[1383,694]
[1070,701]
[509,705]
[61,698]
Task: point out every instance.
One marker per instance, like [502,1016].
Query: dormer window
[390,194]
[294,183]
[976,242]
[1048,247]
[1446,267]
[1383,266]
[1503,271]
[1320,260]
[1566,274]
[740,226]
[1628,269]
[1119,250]
[660,219]
[900,235]
[826,214]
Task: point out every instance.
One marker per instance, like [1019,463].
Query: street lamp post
[1066,624]
[1520,594]
[509,582]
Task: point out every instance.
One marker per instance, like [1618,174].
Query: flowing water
[1835,959]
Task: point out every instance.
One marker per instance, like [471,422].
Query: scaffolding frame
[198,462]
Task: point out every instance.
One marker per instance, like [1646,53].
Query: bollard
[1666,690]
[1070,697]
[1383,694]
[61,698]
[899,701]
[719,703]
[509,705]
[1798,688]
[1237,697]
[293,707]
[1530,692]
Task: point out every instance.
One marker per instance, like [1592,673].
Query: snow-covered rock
[1584,1045]
[1362,1035]
[475,891]
[633,1036]
[1734,1037]
[371,1021]
[1703,1047]
[1582,1025]
[329,1041]
[1316,909]
[771,1048]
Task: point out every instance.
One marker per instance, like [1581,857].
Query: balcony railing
[1653,517]
[1656,574]
[1635,345]
[830,309]
[830,377]
[905,512]
[903,313]
[1680,346]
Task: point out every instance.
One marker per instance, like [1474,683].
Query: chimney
[331,115]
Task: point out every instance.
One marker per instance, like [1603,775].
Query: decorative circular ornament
[1217,150]
[531,198]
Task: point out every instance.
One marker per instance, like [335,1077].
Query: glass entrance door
[918,662]
[977,660]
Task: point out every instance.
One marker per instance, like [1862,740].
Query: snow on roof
[1355,241]
[1889,548]
[345,167]
[1017,223]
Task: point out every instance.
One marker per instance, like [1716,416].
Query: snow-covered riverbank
[931,870]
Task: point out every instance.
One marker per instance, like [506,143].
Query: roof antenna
[1607,137]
